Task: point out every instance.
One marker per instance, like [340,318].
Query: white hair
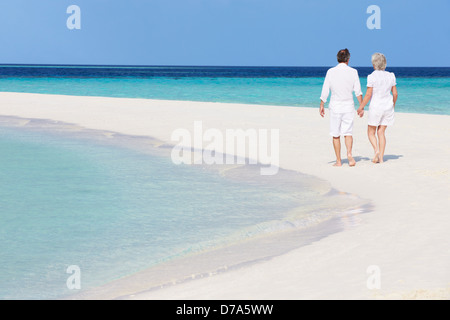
[379,61]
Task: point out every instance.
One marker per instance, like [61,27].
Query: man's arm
[360,100]
[322,108]
[324,95]
[357,86]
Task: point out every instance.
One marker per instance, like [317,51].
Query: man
[342,80]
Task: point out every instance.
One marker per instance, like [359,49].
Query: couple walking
[343,80]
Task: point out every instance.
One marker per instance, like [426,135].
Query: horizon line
[188,66]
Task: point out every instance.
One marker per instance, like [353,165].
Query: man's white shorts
[341,124]
[381,118]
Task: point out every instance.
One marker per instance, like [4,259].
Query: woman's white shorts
[381,118]
[341,124]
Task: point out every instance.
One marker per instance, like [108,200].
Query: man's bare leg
[381,141]
[337,150]
[349,145]
[371,131]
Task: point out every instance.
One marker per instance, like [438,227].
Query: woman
[380,84]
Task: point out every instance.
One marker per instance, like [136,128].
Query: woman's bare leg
[381,141]
[371,130]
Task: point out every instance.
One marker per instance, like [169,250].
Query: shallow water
[115,205]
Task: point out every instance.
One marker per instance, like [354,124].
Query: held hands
[362,104]
[360,112]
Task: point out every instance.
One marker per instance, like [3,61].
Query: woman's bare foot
[337,164]
[351,161]
[376,158]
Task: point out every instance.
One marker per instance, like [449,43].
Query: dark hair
[343,55]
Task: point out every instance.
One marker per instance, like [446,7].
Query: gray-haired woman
[380,84]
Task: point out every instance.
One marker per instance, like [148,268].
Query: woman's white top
[382,82]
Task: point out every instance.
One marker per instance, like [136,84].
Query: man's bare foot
[337,164]
[376,158]
[351,161]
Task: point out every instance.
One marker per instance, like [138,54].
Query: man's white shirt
[342,80]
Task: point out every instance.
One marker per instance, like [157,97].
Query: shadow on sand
[386,158]
[392,157]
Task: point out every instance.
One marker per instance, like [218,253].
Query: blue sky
[224,32]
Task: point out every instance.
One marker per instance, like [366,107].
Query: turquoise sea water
[69,197]
[421,90]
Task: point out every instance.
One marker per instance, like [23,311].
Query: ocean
[421,90]
[103,203]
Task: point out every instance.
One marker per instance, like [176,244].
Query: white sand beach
[406,235]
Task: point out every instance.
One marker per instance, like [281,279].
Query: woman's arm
[366,100]
[394,94]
